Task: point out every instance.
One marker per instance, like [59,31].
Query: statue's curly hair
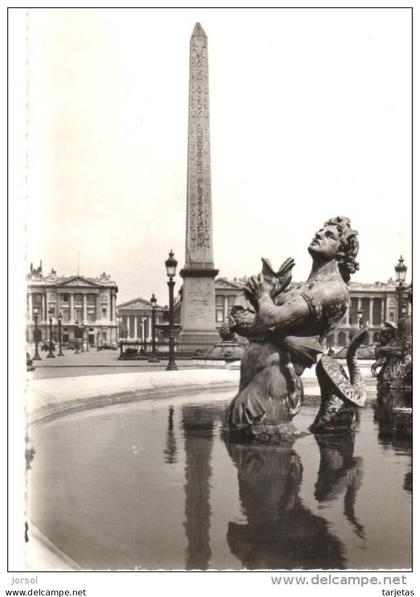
[349,246]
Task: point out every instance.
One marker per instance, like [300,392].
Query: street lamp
[119,327]
[36,336]
[120,334]
[153,358]
[144,336]
[76,336]
[170,265]
[59,319]
[82,328]
[400,273]
[360,318]
[51,354]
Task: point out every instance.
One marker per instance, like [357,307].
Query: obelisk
[198,293]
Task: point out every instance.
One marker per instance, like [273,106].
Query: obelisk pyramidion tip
[198,31]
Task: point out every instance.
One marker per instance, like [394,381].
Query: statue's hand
[256,287]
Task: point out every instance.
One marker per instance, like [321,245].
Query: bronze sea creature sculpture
[393,369]
[341,394]
[285,324]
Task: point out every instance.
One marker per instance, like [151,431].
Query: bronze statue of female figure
[285,325]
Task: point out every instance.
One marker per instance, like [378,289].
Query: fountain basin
[148,482]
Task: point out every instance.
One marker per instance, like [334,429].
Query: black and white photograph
[210,296]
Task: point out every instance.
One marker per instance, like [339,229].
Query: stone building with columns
[82,301]
[135,319]
[226,293]
[369,303]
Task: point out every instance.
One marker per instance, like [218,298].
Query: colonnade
[60,306]
[137,327]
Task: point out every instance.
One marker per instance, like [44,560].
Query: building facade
[81,301]
[226,293]
[373,304]
[135,319]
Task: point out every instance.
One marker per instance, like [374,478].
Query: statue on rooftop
[285,325]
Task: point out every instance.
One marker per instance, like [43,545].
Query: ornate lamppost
[82,328]
[36,356]
[400,273]
[360,318]
[60,319]
[143,321]
[50,354]
[120,334]
[76,336]
[170,265]
[153,358]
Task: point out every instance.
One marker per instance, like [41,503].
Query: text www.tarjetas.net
[356,580]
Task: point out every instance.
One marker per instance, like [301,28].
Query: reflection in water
[108,502]
[402,445]
[340,472]
[170,451]
[198,425]
[408,481]
[280,532]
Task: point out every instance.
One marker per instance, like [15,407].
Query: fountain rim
[46,398]
[51,398]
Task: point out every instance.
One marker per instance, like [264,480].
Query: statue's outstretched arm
[283,316]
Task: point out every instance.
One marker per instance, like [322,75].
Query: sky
[310,117]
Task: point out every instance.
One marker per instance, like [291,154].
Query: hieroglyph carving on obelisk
[199,242]
[198,294]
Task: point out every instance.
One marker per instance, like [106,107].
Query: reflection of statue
[285,325]
[339,472]
[279,531]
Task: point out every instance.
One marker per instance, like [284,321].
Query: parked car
[106,347]
[130,352]
[46,346]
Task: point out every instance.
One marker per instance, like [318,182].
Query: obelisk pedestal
[198,294]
